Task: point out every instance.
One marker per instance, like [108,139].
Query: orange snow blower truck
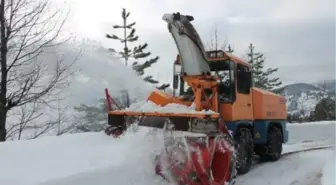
[227,119]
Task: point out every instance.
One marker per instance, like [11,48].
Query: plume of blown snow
[95,69]
[98,69]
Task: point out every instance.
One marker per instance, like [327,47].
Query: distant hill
[302,97]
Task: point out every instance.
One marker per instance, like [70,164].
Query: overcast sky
[296,36]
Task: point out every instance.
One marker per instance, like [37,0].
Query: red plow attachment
[207,165]
[204,156]
[197,160]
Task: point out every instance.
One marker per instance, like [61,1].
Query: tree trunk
[3,116]
[3,82]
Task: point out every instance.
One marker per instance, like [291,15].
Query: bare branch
[25,116]
[33,120]
[28,29]
[216,43]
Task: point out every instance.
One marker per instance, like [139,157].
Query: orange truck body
[259,105]
[268,106]
[263,105]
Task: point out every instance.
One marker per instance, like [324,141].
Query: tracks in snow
[308,149]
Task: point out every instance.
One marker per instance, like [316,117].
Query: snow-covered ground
[96,159]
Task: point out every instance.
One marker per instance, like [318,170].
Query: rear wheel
[244,150]
[273,146]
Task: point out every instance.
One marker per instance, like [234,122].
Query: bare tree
[64,121]
[28,28]
[60,124]
[33,120]
[25,115]
[215,42]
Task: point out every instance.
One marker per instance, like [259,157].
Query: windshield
[224,76]
[223,69]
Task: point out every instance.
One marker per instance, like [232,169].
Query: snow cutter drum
[196,159]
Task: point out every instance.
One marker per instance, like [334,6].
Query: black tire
[244,150]
[274,145]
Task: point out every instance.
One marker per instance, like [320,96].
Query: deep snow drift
[48,158]
[96,159]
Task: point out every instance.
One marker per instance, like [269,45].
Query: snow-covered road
[304,168]
[95,159]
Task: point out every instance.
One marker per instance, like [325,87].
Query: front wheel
[244,150]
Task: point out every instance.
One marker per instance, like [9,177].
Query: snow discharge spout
[188,42]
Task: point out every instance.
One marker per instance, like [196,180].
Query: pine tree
[325,109]
[129,36]
[260,76]
[94,117]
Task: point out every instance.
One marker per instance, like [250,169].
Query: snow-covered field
[96,159]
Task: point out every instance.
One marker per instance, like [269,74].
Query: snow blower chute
[205,155]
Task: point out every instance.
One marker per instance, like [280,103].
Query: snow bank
[149,106]
[31,162]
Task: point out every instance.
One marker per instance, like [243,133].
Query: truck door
[243,108]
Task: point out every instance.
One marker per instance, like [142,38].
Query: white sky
[286,31]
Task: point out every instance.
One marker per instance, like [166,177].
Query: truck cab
[234,85]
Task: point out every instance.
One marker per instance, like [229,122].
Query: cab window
[225,71]
[243,79]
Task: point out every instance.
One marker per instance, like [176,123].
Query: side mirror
[176,81]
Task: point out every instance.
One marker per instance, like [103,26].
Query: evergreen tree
[324,109]
[260,76]
[129,36]
[94,117]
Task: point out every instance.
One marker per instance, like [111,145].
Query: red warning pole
[109,101]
